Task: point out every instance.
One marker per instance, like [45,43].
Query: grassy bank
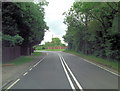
[37,53]
[52,50]
[105,62]
[22,59]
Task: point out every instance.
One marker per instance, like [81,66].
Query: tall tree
[26,20]
[92,27]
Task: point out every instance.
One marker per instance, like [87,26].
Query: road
[59,70]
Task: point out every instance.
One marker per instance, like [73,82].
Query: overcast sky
[54,18]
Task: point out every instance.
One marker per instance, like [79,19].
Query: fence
[59,47]
[10,53]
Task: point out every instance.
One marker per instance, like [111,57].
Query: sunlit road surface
[59,70]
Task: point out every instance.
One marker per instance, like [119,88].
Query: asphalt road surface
[59,70]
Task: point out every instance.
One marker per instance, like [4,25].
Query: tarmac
[11,72]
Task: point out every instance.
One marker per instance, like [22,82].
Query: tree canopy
[92,28]
[56,42]
[23,23]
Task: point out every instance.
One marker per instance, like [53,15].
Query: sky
[54,19]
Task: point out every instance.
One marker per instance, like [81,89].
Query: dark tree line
[92,28]
[56,42]
[23,24]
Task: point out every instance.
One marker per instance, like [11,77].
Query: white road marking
[101,67]
[78,84]
[35,64]
[25,73]
[13,84]
[38,62]
[30,69]
[71,84]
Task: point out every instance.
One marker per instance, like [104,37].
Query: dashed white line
[13,84]
[25,73]
[30,69]
[38,62]
[35,65]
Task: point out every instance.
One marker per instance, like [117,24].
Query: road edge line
[101,67]
[12,84]
[115,73]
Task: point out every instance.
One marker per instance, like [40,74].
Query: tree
[56,42]
[92,27]
[24,20]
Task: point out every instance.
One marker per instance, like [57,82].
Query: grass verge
[53,50]
[37,53]
[105,62]
[20,60]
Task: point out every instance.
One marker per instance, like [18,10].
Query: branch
[111,7]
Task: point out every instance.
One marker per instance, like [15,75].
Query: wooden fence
[10,53]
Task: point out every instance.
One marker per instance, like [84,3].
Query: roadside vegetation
[37,53]
[19,61]
[106,62]
[52,50]
[92,29]
[56,42]
[23,59]
[23,25]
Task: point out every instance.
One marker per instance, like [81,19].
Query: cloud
[54,18]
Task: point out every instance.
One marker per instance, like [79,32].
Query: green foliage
[51,49]
[37,53]
[20,60]
[12,40]
[111,64]
[25,19]
[92,28]
[56,42]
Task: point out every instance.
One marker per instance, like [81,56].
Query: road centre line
[78,84]
[117,74]
[12,84]
[71,84]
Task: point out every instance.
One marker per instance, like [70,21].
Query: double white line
[65,67]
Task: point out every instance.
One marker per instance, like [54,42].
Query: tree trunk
[25,51]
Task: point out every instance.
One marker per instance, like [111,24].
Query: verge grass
[23,59]
[37,53]
[53,50]
[20,60]
[105,62]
